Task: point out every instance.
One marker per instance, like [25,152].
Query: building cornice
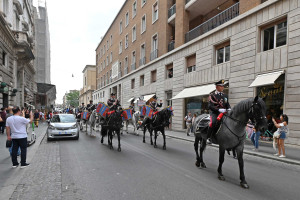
[87,67]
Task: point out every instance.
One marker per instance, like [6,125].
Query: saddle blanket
[127,114]
[85,115]
[102,109]
[147,111]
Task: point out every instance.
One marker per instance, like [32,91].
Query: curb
[262,155]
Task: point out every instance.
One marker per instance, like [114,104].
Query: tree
[73,98]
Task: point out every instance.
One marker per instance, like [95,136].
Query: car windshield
[63,119]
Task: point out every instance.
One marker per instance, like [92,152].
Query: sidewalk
[11,177]
[265,148]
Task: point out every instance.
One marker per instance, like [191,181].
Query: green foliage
[73,98]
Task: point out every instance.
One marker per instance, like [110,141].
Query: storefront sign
[269,92]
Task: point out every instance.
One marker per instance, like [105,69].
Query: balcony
[172,15]
[214,22]
[143,61]
[171,46]
[24,47]
[154,54]
[133,66]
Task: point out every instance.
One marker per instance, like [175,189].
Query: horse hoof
[151,143]
[202,165]
[164,147]
[221,177]
[101,141]
[144,141]
[155,146]
[244,185]
[119,149]
[197,163]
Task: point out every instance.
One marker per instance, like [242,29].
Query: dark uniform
[90,107]
[216,100]
[154,105]
[110,103]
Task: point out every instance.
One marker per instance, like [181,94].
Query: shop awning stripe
[130,99]
[148,97]
[195,91]
[266,79]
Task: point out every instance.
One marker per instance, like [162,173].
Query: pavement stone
[42,179]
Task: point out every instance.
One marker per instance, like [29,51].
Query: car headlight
[74,126]
[51,127]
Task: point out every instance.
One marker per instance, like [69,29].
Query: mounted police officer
[90,107]
[132,105]
[154,105]
[113,102]
[217,103]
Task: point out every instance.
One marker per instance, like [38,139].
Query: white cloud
[75,31]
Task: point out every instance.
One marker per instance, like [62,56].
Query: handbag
[276,134]
[8,143]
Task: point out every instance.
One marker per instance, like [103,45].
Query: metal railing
[143,61]
[133,66]
[171,46]
[214,22]
[154,54]
[172,11]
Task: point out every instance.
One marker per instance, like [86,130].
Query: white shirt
[17,126]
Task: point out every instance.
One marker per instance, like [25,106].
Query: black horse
[112,124]
[232,133]
[158,123]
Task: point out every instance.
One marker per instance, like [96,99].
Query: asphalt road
[90,170]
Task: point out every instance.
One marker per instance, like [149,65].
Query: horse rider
[217,103]
[132,106]
[90,107]
[154,105]
[82,106]
[113,102]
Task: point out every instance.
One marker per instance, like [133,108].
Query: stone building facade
[253,46]
[89,84]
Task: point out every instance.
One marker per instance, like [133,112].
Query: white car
[63,126]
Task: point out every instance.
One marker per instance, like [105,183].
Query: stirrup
[208,141]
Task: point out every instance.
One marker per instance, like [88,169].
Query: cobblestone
[42,179]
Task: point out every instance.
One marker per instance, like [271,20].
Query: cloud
[75,31]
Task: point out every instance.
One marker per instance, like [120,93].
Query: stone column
[181,23]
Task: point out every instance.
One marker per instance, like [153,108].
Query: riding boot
[209,134]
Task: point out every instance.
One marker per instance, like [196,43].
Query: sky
[76,27]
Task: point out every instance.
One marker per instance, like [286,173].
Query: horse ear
[255,99]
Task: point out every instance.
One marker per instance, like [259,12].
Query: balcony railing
[214,22]
[154,54]
[171,46]
[172,11]
[143,61]
[133,66]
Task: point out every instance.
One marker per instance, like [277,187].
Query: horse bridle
[255,116]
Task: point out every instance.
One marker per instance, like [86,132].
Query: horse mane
[245,105]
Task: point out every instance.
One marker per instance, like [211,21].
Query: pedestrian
[16,131]
[255,138]
[36,118]
[3,116]
[193,119]
[9,112]
[188,121]
[283,131]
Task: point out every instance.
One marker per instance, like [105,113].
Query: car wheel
[77,137]
[49,139]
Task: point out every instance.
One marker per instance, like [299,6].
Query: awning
[148,97]
[266,79]
[195,91]
[130,99]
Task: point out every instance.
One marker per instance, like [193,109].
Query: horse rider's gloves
[221,110]
[229,109]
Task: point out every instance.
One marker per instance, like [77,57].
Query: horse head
[257,114]
[165,114]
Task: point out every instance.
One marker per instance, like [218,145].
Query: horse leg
[202,148]
[151,134]
[111,139]
[119,140]
[155,137]
[196,146]
[144,131]
[221,161]
[239,151]
[164,137]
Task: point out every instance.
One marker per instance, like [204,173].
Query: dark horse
[158,123]
[232,133]
[112,123]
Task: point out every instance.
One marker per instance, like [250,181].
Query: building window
[133,33]
[104,48]
[104,64]
[120,70]
[126,41]
[274,36]
[126,65]
[134,9]
[120,47]
[4,58]
[133,61]
[154,46]
[142,80]
[17,22]
[126,19]
[169,71]
[107,60]
[143,55]
[111,57]
[85,81]
[132,83]
[191,63]
[143,24]
[143,2]
[155,12]
[5,7]
[169,98]
[153,76]
[223,53]
[111,40]
[121,26]
[107,45]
